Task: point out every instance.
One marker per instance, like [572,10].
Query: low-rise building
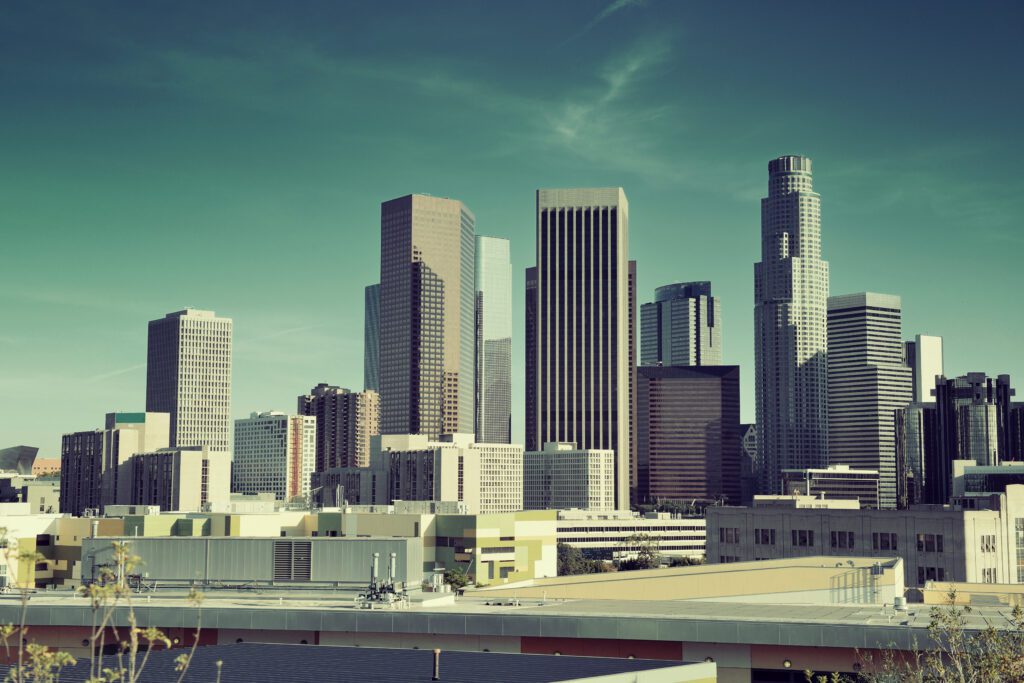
[562,476]
[487,477]
[45,549]
[834,481]
[937,542]
[492,548]
[216,561]
[41,494]
[603,534]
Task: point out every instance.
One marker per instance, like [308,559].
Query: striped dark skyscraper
[790,333]
[579,391]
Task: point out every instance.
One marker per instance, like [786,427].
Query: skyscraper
[682,326]
[345,421]
[188,375]
[530,361]
[274,453]
[689,441]
[923,356]
[580,330]
[971,419]
[371,338]
[426,316]
[493,340]
[790,334]
[633,341]
[867,383]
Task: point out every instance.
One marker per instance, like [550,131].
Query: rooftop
[852,626]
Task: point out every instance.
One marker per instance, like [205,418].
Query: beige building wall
[813,580]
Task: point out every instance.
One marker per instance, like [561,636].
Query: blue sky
[234,156]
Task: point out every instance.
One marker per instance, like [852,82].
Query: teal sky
[233,156]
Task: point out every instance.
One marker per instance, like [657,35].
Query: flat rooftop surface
[269,663]
[840,625]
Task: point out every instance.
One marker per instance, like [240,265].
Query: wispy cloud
[74,298]
[115,373]
[609,10]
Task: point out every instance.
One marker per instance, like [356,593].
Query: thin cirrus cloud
[116,373]
[608,11]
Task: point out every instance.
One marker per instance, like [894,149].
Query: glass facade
[493,341]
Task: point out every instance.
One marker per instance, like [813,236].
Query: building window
[883,541]
[929,543]
[728,535]
[988,543]
[988,575]
[930,574]
[803,538]
[842,539]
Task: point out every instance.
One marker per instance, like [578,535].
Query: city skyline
[897,176]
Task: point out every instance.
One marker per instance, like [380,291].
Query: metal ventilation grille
[282,560]
[293,560]
[302,552]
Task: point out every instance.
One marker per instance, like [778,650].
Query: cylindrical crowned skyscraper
[791,336]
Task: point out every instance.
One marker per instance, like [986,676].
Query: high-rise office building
[580,330]
[1015,433]
[633,342]
[427,358]
[917,453]
[530,361]
[95,464]
[493,340]
[923,355]
[790,332]
[689,442]
[274,453]
[188,375]
[682,326]
[970,419]
[867,383]
[345,422]
[371,338]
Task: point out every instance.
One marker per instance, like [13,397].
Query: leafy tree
[686,561]
[645,551]
[456,578]
[571,561]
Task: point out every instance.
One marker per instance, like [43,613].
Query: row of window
[927,543]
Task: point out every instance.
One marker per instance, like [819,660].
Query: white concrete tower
[790,295]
